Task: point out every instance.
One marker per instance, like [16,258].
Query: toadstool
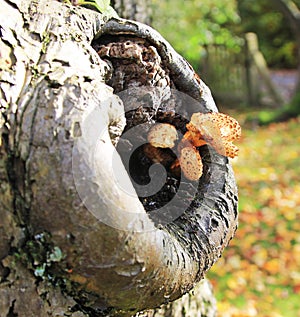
[162,135]
[215,129]
[191,163]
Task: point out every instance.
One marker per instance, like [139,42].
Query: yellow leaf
[272,266]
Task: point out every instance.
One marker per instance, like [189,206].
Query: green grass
[290,110]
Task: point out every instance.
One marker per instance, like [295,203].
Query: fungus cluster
[215,129]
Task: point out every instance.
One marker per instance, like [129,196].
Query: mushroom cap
[231,150]
[162,135]
[216,129]
[229,128]
[191,163]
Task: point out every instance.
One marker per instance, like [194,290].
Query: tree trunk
[73,241]
[292,13]
[138,10]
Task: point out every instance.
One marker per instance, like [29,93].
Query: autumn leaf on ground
[259,272]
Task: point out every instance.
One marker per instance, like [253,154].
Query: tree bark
[57,258]
[138,10]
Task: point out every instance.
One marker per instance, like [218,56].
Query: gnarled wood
[52,84]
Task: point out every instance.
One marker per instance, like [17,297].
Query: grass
[290,110]
[259,272]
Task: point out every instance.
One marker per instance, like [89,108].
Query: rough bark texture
[198,303]
[57,258]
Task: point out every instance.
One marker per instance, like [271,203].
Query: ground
[259,273]
[285,80]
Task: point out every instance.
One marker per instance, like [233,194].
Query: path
[286,81]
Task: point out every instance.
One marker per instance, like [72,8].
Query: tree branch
[291,12]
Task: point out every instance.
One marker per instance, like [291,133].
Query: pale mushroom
[162,135]
[191,163]
[216,129]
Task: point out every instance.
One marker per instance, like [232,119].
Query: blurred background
[248,52]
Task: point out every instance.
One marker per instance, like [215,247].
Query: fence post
[258,59]
[251,77]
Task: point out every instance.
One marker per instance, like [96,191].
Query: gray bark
[57,258]
[198,303]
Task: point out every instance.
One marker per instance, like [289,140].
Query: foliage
[102,6]
[189,25]
[259,273]
[276,39]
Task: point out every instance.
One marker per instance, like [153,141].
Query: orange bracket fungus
[215,129]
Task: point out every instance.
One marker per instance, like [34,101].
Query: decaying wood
[52,247]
